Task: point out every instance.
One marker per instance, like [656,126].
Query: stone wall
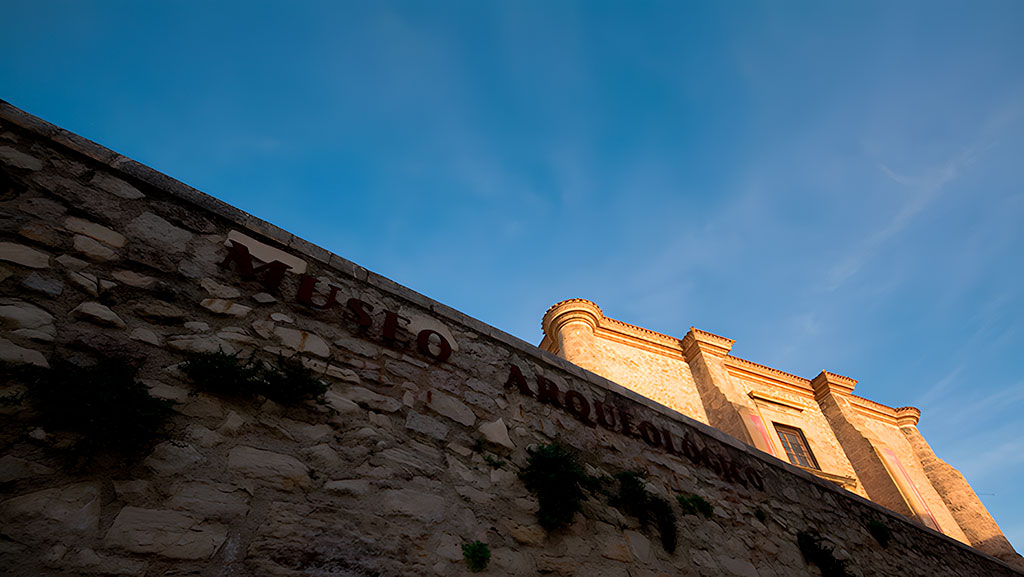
[413,451]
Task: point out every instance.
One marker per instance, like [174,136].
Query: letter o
[423,344]
[650,434]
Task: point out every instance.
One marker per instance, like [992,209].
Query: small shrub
[494,462]
[223,374]
[814,551]
[880,532]
[695,504]
[477,554]
[632,496]
[103,405]
[634,499]
[290,381]
[554,475]
[665,518]
[11,400]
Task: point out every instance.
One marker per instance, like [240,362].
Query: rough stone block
[225,307]
[94,231]
[146,335]
[71,263]
[74,508]
[116,186]
[18,314]
[303,341]
[450,407]
[12,353]
[156,231]
[167,533]
[13,157]
[219,291]
[275,469]
[172,457]
[39,232]
[158,311]
[134,279]
[356,487]
[200,344]
[22,255]
[93,249]
[426,425]
[210,500]
[48,286]
[496,432]
[13,469]
[98,314]
[372,400]
[426,507]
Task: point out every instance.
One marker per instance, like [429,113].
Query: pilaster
[726,404]
[832,392]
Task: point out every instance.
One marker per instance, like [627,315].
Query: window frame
[786,443]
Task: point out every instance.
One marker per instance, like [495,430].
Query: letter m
[273,272]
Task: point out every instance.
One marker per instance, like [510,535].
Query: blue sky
[835,186]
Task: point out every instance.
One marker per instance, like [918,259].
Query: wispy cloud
[990,458]
[924,190]
[941,388]
[953,408]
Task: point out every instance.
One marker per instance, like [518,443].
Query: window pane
[795,445]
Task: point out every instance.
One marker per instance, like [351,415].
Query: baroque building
[815,424]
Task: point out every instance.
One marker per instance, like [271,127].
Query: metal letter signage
[428,342]
[617,418]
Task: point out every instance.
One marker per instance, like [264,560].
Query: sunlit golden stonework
[816,424]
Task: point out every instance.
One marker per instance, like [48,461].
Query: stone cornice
[587,312]
[907,416]
[751,370]
[697,340]
[830,383]
[848,483]
[758,396]
[568,311]
[900,417]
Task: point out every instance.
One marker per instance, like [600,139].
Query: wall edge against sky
[178,189]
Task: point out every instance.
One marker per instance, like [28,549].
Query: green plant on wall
[694,504]
[103,405]
[287,381]
[634,499]
[494,462]
[555,476]
[223,374]
[816,552]
[12,400]
[880,532]
[665,519]
[477,554]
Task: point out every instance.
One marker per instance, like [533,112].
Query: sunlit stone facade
[817,424]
